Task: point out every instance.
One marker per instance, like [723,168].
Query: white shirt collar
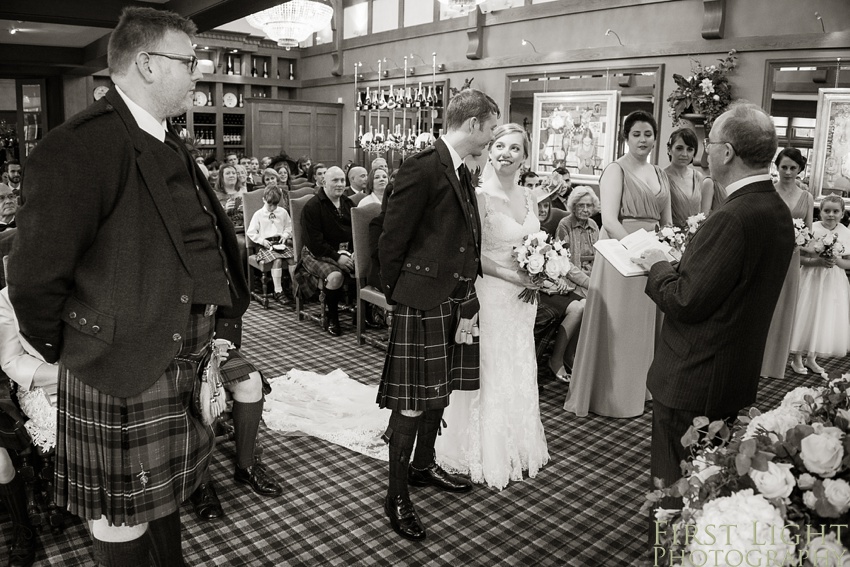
[144,119]
[457,161]
[732,187]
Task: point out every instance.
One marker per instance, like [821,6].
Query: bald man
[357,177]
[328,246]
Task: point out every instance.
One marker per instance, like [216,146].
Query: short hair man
[357,178]
[141,273]
[13,172]
[561,179]
[231,159]
[328,245]
[379,162]
[718,302]
[530,179]
[8,207]
[430,252]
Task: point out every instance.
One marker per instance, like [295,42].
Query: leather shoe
[334,329]
[205,502]
[22,553]
[434,475]
[259,479]
[403,518]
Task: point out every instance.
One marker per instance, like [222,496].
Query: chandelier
[292,22]
[462,6]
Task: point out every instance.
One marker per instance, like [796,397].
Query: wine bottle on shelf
[382,102]
[367,104]
[253,67]
[241,101]
[360,136]
[438,97]
[265,69]
[420,97]
[278,74]
[430,100]
[229,65]
[391,100]
[291,71]
[210,99]
[358,103]
[408,100]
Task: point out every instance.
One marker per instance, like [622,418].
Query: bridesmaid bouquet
[544,260]
[828,246]
[673,237]
[802,234]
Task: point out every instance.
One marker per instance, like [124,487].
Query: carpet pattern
[581,510]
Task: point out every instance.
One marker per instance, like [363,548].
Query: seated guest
[357,179]
[579,232]
[328,251]
[317,175]
[270,226]
[229,194]
[560,179]
[265,162]
[231,159]
[530,179]
[379,162]
[302,167]
[8,207]
[376,185]
[213,169]
[255,174]
[12,169]
[244,180]
[549,216]
[36,383]
[272,178]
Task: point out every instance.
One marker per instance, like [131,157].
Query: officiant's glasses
[706,142]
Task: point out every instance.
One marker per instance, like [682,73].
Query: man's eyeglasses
[8,197]
[190,60]
[706,142]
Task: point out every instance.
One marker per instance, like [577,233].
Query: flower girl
[822,319]
[271,228]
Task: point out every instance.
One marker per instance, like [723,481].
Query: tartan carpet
[582,510]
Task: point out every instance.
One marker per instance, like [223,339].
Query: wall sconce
[820,19]
[441,67]
[609,31]
[526,42]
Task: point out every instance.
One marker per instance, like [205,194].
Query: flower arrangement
[828,246]
[706,91]
[678,238]
[543,259]
[802,234]
[774,490]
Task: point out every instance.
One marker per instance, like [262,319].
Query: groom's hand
[466,330]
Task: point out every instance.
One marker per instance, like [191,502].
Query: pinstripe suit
[718,305]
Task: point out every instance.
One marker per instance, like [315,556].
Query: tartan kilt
[424,364]
[133,460]
[235,368]
[311,270]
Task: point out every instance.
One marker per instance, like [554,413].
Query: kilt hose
[424,364]
[134,460]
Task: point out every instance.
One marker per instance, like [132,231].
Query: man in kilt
[429,254]
[124,269]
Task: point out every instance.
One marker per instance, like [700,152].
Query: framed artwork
[831,152]
[576,130]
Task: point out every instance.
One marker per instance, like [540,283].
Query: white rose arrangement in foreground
[544,260]
[772,491]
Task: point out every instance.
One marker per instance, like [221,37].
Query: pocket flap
[420,266]
[88,320]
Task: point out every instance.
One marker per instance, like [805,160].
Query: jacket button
[83,321]
[462,249]
[95,328]
[408,264]
[427,269]
[417,267]
[72,314]
[455,276]
[176,337]
[184,299]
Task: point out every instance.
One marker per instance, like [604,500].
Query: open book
[620,252]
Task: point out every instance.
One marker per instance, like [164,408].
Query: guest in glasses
[142,273]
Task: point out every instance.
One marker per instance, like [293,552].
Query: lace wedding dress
[494,434]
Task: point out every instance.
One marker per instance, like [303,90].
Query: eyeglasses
[190,60]
[706,142]
[8,197]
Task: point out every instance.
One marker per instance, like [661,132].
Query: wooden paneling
[296,127]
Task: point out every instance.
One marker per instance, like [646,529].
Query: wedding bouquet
[802,234]
[774,490]
[828,246]
[672,236]
[543,259]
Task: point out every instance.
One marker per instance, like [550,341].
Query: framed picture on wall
[575,130]
[831,152]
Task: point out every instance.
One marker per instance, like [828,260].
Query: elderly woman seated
[579,232]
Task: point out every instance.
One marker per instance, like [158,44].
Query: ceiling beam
[91,13]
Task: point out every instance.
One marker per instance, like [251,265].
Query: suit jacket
[431,230]
[718,304]
[98,274]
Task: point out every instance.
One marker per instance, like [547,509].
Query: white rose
[827,552]
[564,265]
[716,97]
[806,481]
[558,246]
[837,492]
[775,422]
[776,482]
[667,232]
[553,269]
[795,398]
[810,500]
[535,263]
[822,454]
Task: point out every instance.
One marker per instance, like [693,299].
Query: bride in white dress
[495,433]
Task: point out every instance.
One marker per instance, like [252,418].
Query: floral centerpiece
[545,261]
[706,91]
[773,491]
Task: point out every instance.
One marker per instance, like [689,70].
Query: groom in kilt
[429,254]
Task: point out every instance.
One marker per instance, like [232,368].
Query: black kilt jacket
[718,304]
[432,232]
[99,275]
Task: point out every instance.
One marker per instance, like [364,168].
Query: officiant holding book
[617,336]
[719,300]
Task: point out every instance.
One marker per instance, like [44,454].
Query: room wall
[659,32]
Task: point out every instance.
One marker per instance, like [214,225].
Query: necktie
[176,144]
[465,179]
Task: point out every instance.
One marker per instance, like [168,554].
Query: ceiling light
[291,23]
[462,6]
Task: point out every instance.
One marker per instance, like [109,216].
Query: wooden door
[298,128]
